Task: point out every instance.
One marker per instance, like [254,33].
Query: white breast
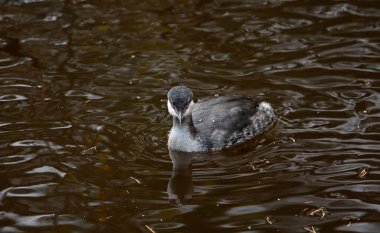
[180,139]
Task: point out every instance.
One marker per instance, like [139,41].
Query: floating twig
[350,219]
[137,181]
[150,229]
[269,220]
[310,229]
[320,211]
[90,150]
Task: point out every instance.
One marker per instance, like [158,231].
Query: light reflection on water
[83,121]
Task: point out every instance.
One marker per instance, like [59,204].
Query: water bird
[214,123]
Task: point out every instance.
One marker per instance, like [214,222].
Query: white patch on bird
[263,117]
[181,139]
[265,106]
[189,109]
[171,110]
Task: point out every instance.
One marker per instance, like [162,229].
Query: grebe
[215,123]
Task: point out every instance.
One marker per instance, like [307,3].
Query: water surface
[83,119]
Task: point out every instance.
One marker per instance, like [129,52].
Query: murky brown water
[83,121]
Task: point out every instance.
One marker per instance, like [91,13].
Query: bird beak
[180,115]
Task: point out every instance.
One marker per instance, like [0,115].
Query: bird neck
[186,124]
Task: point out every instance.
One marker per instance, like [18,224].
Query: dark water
[83,119]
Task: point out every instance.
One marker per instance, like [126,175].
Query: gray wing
[220,119]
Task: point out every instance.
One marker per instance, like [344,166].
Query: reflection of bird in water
[214,123]
[180,186]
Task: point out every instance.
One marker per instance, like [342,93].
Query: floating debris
[292,139]
[350,219]
[363,172]
[320,211]
[90,150]
[310,229]
[104,219]
[255,164]
[150,229]
[269,220]
[304,210]
[86,102]
[367,83]
[137,181]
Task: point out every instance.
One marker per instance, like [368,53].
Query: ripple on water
[45,220]
[38,190]
[14,127]
[36,143]
[16,159]
[10,97]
